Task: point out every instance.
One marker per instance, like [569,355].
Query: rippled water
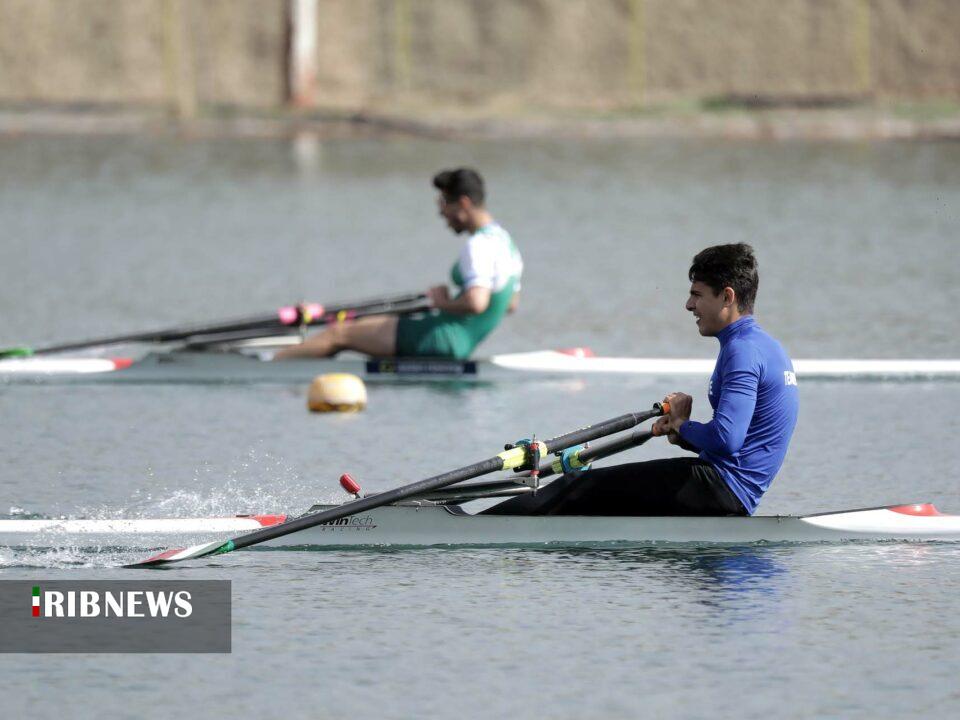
[858,251]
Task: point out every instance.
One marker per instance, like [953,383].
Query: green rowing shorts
[433,336]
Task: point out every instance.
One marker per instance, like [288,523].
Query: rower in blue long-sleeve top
[753,393]
[754,396]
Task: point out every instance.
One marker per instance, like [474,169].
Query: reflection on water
[744,580]
[733,584]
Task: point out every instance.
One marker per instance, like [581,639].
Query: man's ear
[729,297]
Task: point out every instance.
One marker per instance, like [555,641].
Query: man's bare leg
[375,335]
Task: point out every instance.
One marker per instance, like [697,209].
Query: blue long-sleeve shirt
[753,393]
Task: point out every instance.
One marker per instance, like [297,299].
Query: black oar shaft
[225,337]
[548,468]
[601,450]
[371,502]
[498,462]
[260,322]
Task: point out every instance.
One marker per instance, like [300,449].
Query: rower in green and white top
[487,277]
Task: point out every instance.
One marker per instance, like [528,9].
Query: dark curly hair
[728,266]
[455,184]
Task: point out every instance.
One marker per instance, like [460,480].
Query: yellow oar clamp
[523,455]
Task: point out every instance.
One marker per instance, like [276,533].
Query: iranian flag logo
[36,601]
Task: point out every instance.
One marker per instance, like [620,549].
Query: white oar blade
[178,554]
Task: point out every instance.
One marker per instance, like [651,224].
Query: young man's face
[713,312]
[455,212]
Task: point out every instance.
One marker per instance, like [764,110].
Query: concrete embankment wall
[479,56]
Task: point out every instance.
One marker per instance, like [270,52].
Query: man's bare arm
[472,301]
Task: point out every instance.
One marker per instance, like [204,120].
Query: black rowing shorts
[673,486]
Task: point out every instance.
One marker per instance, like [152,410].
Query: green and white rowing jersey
[489,259]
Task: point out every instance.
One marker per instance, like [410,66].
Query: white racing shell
[420,525]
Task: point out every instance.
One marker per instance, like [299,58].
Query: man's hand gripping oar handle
[307,314]
[512,459]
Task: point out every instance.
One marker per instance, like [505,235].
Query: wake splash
[261,484]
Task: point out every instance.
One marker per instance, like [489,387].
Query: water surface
[858,252]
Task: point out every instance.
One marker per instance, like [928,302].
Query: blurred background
[482,59]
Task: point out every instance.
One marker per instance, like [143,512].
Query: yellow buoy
[337,392]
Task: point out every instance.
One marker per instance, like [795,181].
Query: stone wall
[143,51]
[479,56]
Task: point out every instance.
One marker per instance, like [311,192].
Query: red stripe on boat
[121,363]
[580,352]
[267,520]
[924,509]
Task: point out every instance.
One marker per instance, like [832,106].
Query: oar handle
[317,314]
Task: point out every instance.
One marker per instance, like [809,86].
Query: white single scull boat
[254,367]
[425,524]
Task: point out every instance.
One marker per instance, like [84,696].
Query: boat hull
[432,526]
[450,526]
